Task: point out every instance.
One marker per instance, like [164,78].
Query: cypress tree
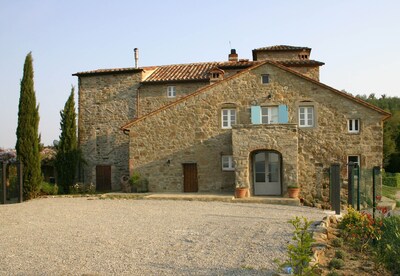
[67,154]
[27,146]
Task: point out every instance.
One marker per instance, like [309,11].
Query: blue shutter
[283,114]
[256,115]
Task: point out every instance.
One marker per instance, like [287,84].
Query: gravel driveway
[81,236]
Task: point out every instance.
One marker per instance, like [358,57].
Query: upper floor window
[264,79]
[306,116]
[227,163]
[269,115]
[353,125]
[228,117]
[171,91]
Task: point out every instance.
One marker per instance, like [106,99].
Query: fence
[11,182]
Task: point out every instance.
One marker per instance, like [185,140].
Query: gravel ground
[81,236]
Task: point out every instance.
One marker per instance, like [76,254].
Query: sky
[357,39]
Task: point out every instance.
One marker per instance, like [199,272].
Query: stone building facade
[264,124]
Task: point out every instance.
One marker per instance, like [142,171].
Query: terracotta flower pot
[293,192]
[241,192]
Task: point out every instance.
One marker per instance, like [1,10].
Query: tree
[27,146]
[67,150]
[391,130]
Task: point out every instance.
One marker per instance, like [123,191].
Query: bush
[359,228]
[48,188]
[139,183]
[339,254]
[391,179]
[336,263]
[387,247]
[299,251]
[338,242]
[82,188]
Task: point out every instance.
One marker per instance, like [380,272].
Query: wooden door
[103,178]
[190,184]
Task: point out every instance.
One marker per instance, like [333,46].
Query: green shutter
[256,115]
[283,117]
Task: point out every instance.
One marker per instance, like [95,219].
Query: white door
[267,173]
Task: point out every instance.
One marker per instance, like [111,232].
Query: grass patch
[390,192]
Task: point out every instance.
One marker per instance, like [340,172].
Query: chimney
[136,50]
[233,56]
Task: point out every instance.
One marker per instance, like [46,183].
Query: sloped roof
[255,65]
[192,71]
[108,71]
[306,62]
[282,48]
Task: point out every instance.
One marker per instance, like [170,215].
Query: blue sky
[358,40]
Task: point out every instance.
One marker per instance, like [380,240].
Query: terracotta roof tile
[192,71]
[282,48]
[108,71]
[307,62]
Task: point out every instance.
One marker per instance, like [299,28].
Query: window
[353,125]
[269,115]
[306,116]
[354,158]
[264,79]
[215,75]
[227,163]
[228,117]
[171,91]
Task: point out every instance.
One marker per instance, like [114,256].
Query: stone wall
[106,102]
[280,55]
[153,96]
[309,71]
[247,139]
[190,131]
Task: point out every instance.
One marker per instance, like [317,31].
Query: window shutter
[256,115]
[283,117]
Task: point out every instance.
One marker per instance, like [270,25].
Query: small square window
[227,163]
[264,79]
[171,91]
[353,125]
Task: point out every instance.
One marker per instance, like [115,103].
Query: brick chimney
[233,56]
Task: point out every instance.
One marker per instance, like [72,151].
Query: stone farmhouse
[208,127]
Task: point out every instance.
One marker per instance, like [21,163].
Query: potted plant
[138,183]
[241,191]
[293,191]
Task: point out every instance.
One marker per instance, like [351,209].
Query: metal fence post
[375,171]
[350,181]
[4,184]
[358,186]
[335,187]
[20,169]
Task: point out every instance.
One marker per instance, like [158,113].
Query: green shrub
[336,263]
[299,251]
[82,188]
[139,183]
[48,188]
[338,242]
[391,179]
[387,247]
[359,228]
[340,254]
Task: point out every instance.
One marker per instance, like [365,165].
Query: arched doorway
[267,173]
